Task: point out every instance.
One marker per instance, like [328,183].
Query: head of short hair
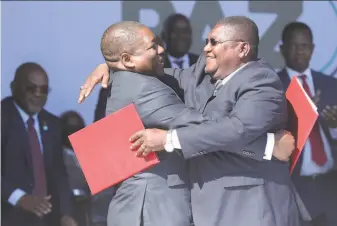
[122,37]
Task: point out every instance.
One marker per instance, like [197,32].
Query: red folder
[103,149]
[302,117]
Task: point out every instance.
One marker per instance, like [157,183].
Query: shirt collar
[183,58]
[225,80]
[292,73]
[24,115]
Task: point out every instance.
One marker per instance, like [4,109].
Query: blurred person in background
[315,175]
[34,183]
[177,38]
[71,123]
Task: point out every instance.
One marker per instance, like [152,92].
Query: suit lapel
[19,130]
[45,137]
[285,79]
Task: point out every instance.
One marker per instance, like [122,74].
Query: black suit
[319,193]
[16,166]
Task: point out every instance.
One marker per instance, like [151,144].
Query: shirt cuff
[268,153]
[16,196]
[172,141]
[333,132]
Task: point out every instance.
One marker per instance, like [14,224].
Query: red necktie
[317,149]
[40,184]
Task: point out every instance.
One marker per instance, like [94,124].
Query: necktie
[317,149]
[179,63]
[40,184]
[217,85]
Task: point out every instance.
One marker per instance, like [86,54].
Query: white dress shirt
[172,137]
[18,193]
[185,59]
[309,167]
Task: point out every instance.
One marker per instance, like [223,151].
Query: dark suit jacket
[192,57]
[309,191]
[16,164]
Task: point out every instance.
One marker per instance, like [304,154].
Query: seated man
[159,196]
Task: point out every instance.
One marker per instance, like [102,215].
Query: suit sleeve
[160,107]
[7,187]
[185,76]
[260,108]
[61,178]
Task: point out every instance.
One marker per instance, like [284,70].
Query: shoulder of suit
[193,58]
[262,67]
[320,75]
[49,117]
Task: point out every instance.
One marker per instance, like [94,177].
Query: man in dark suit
[177,36]
[34,183]
[225,183]
[316,173]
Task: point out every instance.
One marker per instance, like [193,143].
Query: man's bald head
[241,28]
[123,37]
[30,87]
[23,72]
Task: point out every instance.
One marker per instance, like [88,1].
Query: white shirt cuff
[175,140]
[268,153]
[333,132]
[172,141]
[16,196]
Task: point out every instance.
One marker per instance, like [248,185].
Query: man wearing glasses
[34,183]
[230,185]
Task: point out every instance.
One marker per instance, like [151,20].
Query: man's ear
[244,49]
[12,86]
[126,60]
[282,49]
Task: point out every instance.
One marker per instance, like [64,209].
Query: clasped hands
[153,140]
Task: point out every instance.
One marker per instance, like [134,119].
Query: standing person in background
[71,123]
[177,36]
[315,175]
[34,183]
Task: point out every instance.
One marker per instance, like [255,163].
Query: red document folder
[103,149]
[302,117]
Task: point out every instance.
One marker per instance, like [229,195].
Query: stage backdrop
[64,37]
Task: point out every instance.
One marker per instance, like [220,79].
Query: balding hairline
[22,72]
[123,37]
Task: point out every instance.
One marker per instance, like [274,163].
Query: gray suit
[158,196]
[227,187]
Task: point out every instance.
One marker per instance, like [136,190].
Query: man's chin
[160,72]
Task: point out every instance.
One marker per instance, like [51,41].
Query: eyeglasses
[214,42]
[33,89]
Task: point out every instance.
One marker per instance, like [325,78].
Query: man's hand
[329,114]
[149,140]
[37,205]
[68,221]
[284,145]
[99,75]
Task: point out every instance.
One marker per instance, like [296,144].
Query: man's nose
[160,49]
[207,48]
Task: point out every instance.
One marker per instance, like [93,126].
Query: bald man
[232,183]
[34,184]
